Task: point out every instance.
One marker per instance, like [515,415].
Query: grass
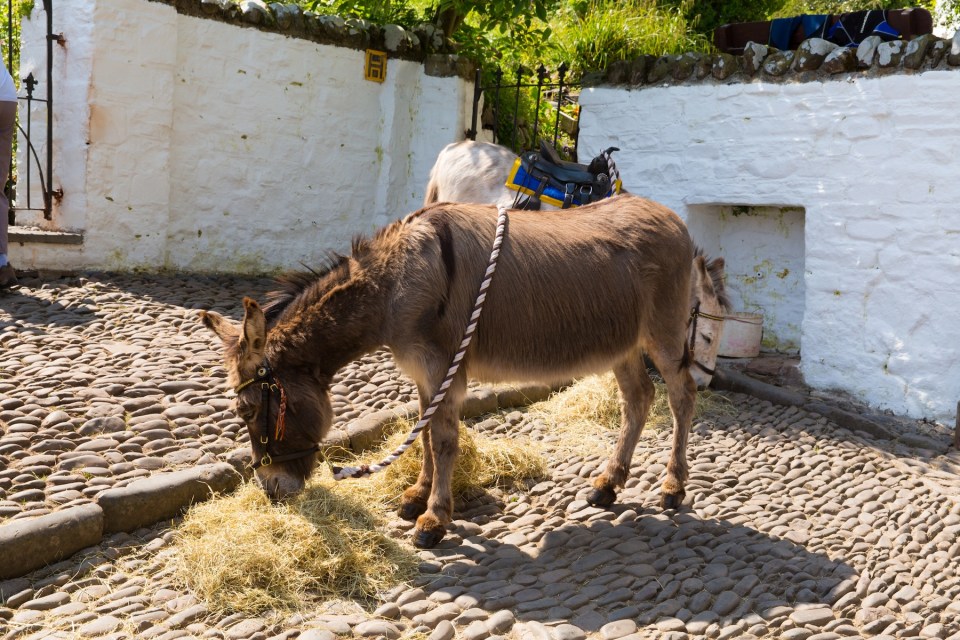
[600,32]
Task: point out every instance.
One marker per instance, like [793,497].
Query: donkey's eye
[707,339]
[246,412]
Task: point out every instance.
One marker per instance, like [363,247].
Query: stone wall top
[424,44]
[814,60]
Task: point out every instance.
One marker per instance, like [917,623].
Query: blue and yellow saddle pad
[520,180]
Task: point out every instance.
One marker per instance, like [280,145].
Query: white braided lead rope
[614,173]
[339,473]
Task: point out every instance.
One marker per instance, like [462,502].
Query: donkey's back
[574,291]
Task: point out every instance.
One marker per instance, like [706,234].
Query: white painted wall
[764,252]
[188,143]
[872,164]
[191,144]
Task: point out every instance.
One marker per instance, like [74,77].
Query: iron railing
[558,91]
[22,176]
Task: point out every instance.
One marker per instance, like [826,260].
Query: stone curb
[727,380]
[366,432]
[34,543]
[162,496]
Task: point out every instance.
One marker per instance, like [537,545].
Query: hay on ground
[483,463]
[576,412]
[242,553]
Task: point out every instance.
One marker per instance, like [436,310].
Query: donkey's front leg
[682,396]
[444,443]
[414,500]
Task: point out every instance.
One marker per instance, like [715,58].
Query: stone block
[166,495]
[953,58]
[812,52]
[839,60]
[30,544]
[778,63]
[916,51]
[725,65]
[478,402]
[367,432]
[753,56]
[522,396]
[890,54]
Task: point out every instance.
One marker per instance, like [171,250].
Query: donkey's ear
[227,331]
[701,276]
[254,338]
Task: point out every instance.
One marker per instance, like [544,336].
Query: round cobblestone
[793,526]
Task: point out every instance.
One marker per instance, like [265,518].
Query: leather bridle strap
[695,313]
[270,385]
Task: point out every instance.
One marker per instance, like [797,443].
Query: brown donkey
[578,292]
[470,171]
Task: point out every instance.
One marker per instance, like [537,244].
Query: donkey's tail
[433,193]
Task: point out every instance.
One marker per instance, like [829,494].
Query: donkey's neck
[337,320]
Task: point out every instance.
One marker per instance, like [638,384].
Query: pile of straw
[240,553]
[585,410]
[483,463]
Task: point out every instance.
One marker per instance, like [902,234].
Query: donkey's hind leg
[636,394]
[682,396]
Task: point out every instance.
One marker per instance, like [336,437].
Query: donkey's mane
[715,270]
[293,284]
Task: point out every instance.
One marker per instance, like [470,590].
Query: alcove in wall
[764,250]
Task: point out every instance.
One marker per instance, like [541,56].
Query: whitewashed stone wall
[855,177]
[188,143]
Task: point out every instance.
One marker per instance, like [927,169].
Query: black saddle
[579,183]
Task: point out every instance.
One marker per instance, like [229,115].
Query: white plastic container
[742,334]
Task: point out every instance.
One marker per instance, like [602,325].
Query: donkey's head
[285,405]
[709,304]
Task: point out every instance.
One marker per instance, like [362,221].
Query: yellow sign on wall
[375,68]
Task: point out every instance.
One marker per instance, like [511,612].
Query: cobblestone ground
[792,528]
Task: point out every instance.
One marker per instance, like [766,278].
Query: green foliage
[376,11]
[591,34]
[584,35]
[503,15]
[713,13]
[11,48]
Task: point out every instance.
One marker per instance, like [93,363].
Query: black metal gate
[30,166]
[538,87]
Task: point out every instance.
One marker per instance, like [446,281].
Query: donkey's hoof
[672,500]
[428,538]
[412,510]
[602,497]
